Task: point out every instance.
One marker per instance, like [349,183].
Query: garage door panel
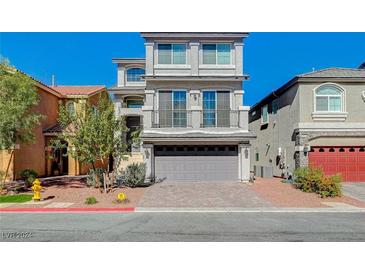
[348,161]
[196,168]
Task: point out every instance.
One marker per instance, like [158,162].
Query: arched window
[329,98]
[134,74]
[71,108]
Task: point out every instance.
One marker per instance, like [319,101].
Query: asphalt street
[183,226]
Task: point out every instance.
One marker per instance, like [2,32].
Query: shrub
[90,201]
[307,179]
[313,180]
[91,177]
[134,175]
[330,186]
[29,175]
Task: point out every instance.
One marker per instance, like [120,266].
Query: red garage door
[349,161]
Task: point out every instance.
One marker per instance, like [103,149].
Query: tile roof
[78,90]
[335,73]
[53,129]
[357,75]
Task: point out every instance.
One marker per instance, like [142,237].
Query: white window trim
[215,107]
[133,84]
[230,65]
[172,55]
[329,115]
[262,115]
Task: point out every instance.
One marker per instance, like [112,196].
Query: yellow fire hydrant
[37,190]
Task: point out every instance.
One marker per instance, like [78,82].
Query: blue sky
[270,59]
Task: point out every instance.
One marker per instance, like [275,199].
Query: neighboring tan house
[39,155]
[315,119]
[187,96]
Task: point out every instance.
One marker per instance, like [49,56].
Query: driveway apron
[200,194]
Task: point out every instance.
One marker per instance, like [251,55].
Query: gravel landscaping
[286,195]
[68,192]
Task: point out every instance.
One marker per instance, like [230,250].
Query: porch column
[239,57]
[149,57]
[148,108]
[238,98]
[195,108]
[48,152]
[244,162]
[148,157]
[194,53]
[118,105]
[243,117]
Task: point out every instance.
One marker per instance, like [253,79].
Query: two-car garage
[199,163]
[349,161]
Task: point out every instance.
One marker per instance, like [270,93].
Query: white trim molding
[338,87]
[329,116]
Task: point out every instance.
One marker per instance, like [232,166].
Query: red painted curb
[83,209]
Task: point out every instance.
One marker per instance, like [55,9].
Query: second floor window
[216,54]
[172,54]
[172,108]
[275,106]
[134,74]
[71,107]
[216,108]
[328,98]
[264,114]
[135,103]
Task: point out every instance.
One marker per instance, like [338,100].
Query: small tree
[94,133]
[18,118]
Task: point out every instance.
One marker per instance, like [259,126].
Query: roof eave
[195,78]
[129,60]
[235,35]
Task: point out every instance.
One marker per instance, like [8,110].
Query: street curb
[247,210]
[183,210]
[82,210]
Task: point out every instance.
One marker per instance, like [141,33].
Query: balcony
[171,118]
[130,112]
[130,108]
[196,118]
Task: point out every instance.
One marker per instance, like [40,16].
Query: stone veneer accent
[302,138]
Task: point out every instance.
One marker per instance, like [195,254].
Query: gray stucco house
[315,119]
[187,97]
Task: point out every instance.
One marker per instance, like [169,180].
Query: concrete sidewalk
[355,190]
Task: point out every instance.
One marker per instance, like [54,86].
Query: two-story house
[40,155]
[195,126]
[316,119]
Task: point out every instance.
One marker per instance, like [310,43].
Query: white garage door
[196,163]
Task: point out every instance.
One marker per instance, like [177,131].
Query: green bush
[134,175]
[29,175]
[90,201]
[91,177]
[313,180]
[330,186]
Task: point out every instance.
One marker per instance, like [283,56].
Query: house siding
[278,133]
[33,155]
[296,128]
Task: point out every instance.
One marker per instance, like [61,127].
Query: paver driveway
[227,194]
[355,190]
